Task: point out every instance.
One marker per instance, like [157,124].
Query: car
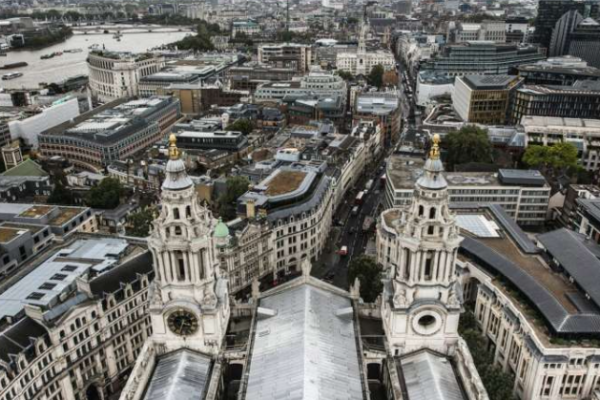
[343,251]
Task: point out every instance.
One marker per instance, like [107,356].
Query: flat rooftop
[285,182]
[36,211]
[404,171]
[489,82]
[8,234]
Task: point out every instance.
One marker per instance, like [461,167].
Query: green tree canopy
[554,158]
[106,195]
[236,186]
[369,274]
[242,125]
[139,223]
[375,77]
[497,383]
[469,144]
[345,75]
[61,195]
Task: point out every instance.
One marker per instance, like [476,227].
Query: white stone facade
[29,129]
[116,75]
[418,248]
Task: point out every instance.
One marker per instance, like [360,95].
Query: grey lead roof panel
[555,314]
[305,351]
[573,253]
[181,375]
[428,376]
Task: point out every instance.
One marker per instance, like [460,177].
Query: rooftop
[404,171]
[305,347]
[57,274]
[490,82]
[285,182]
[181,375]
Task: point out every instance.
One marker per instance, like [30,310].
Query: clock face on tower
[182,322]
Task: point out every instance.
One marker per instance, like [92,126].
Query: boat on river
[14,65]
[12,75]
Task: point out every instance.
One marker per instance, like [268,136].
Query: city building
[316,83]
[493,31]
[303,110]
[481,58]
[484,99]
[558,71]
[74,324]
[550,11]
[584,41]
[27,130]
[246,27]
[559,43]
[114,131]
[25,182]
[523,194]
[62,220]
[383,108]
[296,202]
[11,154]
[114,75]
[582,133]
[362,61]
[431,86]
[579,100]
[249,77]
[286,55]
[197,98]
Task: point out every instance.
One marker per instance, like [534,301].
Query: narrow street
[348,231]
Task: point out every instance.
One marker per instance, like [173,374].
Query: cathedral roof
[306,348]
[181,375]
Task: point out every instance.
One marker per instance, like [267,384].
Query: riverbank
[46,40]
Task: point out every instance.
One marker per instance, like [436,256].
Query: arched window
[188,212]
[421,211]
[432,211]
[180,266]
[178,231]
[176,213]
[430,230]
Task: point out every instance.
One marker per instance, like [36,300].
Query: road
[348,230]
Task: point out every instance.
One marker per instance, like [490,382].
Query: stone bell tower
[422,305]
[189,301]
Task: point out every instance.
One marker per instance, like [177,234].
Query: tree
[345,75]
[375,77]
[106,195]
[554,159]
[139,223]
[498,383]
[369,274]
[469,144]
[236,186]
[241,125]
[61,195]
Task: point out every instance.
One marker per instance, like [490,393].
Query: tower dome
[221,230]
[432,177]
[176,175]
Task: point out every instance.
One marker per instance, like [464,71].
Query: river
[71,64]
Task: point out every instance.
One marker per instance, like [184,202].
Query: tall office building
[584,42]
[559,44]
[550,11]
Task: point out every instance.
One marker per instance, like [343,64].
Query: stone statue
[400,300]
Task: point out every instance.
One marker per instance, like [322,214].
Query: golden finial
[173,150]
[434,154]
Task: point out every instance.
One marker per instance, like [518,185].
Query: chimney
[250,208]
